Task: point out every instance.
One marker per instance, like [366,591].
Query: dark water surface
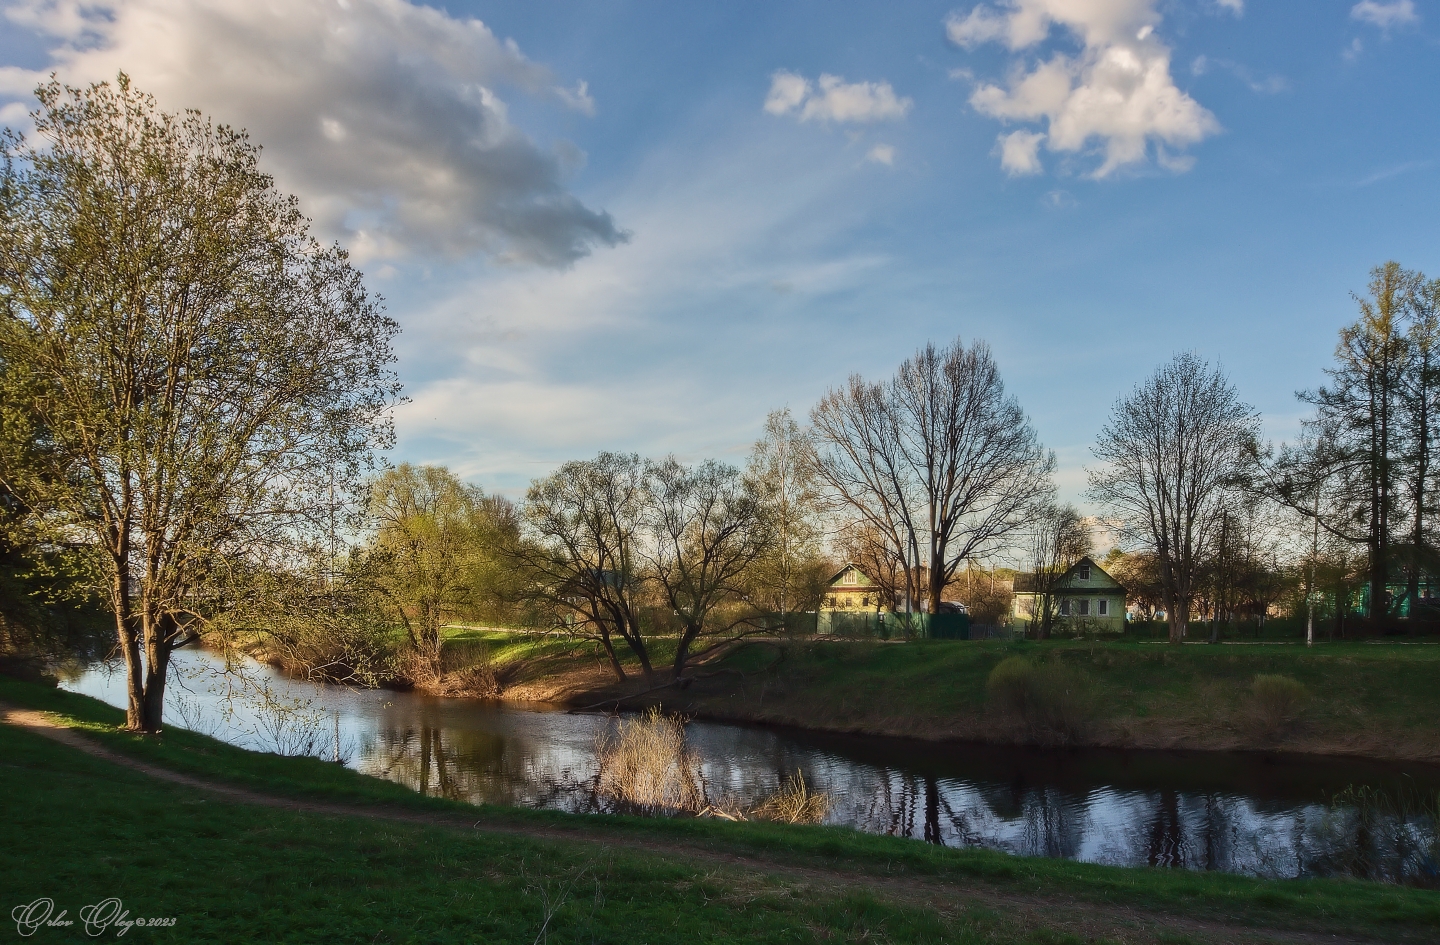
[1259,815]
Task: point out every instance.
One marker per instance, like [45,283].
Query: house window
[850,578]
[1104,610]
[865,602]
[1084,608]
[1084,572]
[1065,608]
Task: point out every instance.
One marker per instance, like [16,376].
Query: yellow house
[1086,600]
[851,590]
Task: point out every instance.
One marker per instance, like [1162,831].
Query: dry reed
[793,803]
[646,767]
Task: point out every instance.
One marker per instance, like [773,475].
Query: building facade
[1085,599]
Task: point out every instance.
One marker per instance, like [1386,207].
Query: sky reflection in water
[1241,814]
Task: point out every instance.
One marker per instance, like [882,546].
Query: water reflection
[1234,813]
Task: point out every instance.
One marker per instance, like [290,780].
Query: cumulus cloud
[1385,15]
[834,100]
[381,115]
[1117,93]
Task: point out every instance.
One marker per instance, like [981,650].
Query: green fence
[888,626]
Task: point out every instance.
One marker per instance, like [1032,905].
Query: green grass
[1371,699]
[79,829]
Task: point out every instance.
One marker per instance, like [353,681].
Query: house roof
[1069,583]
[864,578]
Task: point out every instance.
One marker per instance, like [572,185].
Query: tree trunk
[682,652]
[610,654]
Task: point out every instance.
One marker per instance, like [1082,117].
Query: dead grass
[646,767]
[793,803]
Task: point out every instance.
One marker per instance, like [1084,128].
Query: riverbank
[220,848]
[1367,700]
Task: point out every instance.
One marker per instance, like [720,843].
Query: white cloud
[835,99]
[381,115]
[882,154]
[1236,7]
[1385,15]
[1118,92]
[1019,152]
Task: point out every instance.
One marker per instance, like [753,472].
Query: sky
[642,226]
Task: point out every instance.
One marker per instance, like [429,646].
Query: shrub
[793,803]
[1278,700]
[1050,703]
[647,768]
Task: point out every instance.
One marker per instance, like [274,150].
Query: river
[1258,815]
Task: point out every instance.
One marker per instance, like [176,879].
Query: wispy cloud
[1118,91]
[1393,171]
[1268,85]
[382,115]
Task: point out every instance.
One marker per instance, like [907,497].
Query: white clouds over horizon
[834,100]
[1118,93]
[381,115]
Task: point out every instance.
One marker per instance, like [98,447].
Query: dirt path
[1058,912]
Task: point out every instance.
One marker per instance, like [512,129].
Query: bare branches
[939,459]
[1171,453]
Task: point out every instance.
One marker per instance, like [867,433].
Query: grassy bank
[80,829]
[1377,700]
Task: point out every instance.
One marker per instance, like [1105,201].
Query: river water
[1271,816]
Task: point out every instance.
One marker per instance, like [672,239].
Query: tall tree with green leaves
[433,546]
[1360,416]
[209,381]
[781,477]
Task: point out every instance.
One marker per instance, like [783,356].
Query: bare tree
[707,530]
[939,459]
[584,526]
[1059,537]
[209,381]
[1172,452]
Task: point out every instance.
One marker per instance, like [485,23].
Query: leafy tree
[789,573]
[208,381]
[432,549]
[1173,452]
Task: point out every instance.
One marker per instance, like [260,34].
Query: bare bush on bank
[647,767]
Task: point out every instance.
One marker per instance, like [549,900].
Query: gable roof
[1069,582]
[863,582]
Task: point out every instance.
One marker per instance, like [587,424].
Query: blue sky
[596,235]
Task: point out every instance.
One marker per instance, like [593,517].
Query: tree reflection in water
[1240,814]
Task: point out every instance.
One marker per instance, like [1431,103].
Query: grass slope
[79,829]
[1369,699]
